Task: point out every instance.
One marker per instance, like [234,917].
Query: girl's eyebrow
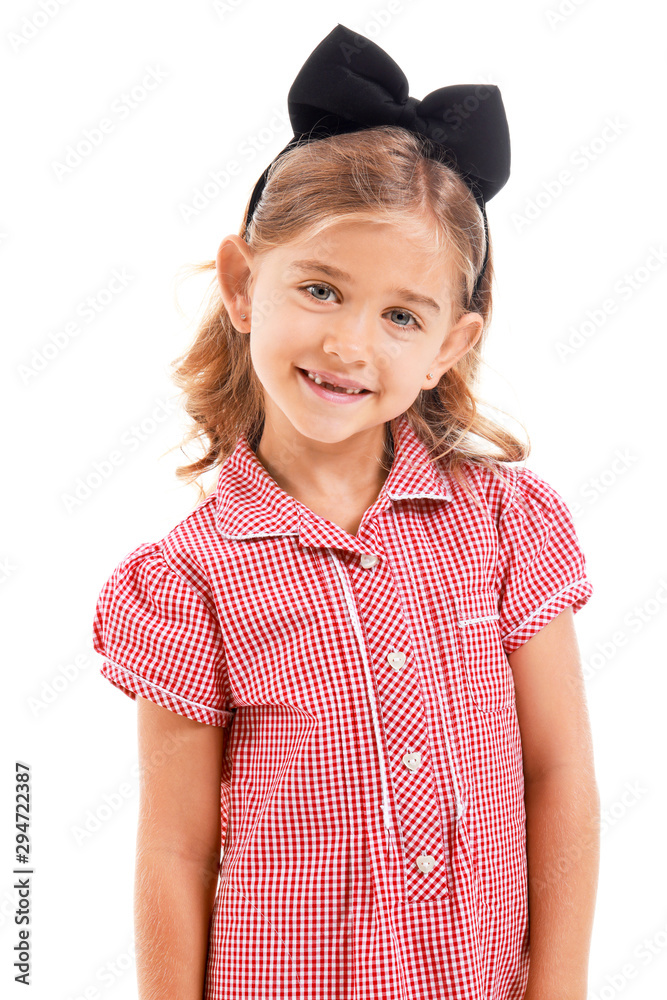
[338,275]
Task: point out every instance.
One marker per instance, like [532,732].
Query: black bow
[348,82]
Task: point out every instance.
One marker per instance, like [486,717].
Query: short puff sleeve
[159,639]
[541,565]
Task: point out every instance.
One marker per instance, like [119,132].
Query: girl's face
[357,304]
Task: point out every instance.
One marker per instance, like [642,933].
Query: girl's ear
[233,268]
[460,339]
[471,326]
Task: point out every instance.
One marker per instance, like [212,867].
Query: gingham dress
[372,809]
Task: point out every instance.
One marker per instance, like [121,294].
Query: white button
[368,559]
[425,863]
[396,659]
[412,760]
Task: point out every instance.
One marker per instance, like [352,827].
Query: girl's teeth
[316,378]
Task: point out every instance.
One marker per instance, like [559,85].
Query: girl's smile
[325,390]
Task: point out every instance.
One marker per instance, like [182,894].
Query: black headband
[348,83]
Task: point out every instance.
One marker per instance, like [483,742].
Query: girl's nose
[352,338]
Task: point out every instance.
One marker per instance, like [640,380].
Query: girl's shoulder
[156,623]
[505,489]
[180,558]
[190,543]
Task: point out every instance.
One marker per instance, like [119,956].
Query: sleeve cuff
[576,594]
[132,685]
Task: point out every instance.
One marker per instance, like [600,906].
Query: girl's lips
[329,394]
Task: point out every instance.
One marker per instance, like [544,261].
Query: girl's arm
[562,809]
[178,851]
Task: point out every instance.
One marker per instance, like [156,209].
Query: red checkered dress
[372,797]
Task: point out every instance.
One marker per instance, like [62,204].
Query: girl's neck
[339,486]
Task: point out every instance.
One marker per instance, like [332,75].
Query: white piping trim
[541,608]
[462,622]
[262,534]
[420,496]
[158,687]
[460,806]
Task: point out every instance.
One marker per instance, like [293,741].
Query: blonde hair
[382,174]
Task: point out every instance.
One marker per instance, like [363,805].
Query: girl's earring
[429,375]
[242,315]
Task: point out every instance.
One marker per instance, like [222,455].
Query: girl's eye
[404,312]
[328,288]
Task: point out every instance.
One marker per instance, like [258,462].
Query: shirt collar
[250,504]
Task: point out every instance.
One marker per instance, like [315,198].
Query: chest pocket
[488,672]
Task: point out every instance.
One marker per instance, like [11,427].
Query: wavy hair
[380,174]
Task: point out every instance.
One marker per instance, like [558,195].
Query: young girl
[356,663]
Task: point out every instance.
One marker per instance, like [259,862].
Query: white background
[595,417]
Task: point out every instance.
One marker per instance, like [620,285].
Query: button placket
[349,597]
[421,847]
[412,585]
